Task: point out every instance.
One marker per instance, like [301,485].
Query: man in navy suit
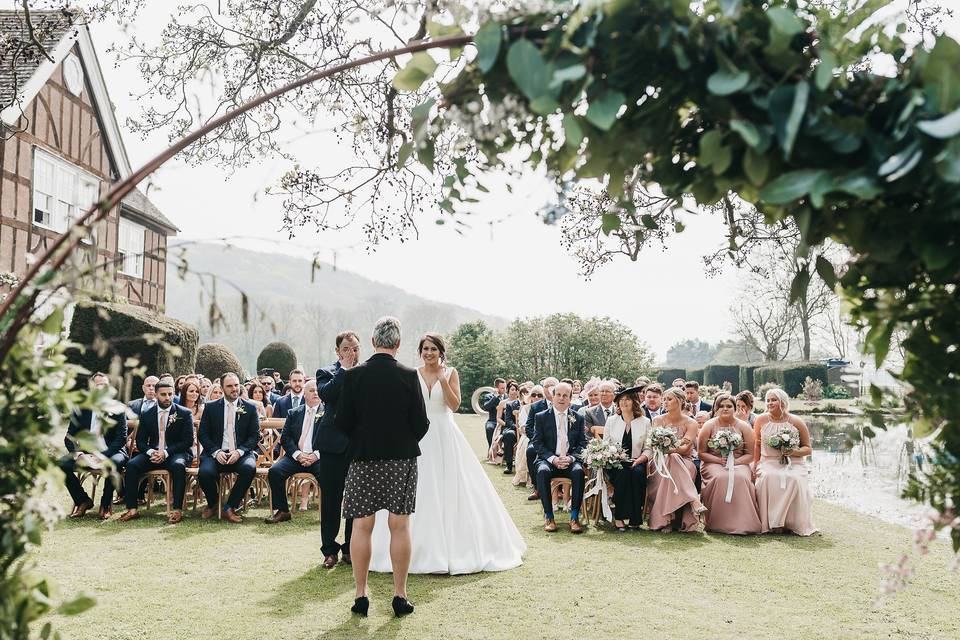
[113,431]
[334,451]
[490,405]
[301,430]
[149,399]
[692,389]
[559,439]
[653,400]
[229,433]
[168,447]
[539,406]
[293,399]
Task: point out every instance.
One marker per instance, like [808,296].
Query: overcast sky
[514,268]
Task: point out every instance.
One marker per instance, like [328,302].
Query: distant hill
[307,315]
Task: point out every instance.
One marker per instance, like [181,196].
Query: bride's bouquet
[725,441]
[663,439]
[598,455]
[785,440]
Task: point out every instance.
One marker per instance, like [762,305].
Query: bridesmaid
[745,412]
[739,515]
[784,498]
[673,495]
[628,428]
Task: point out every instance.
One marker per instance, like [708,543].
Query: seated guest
[527,398]
[278,382]
[204,386]
[292,400]
[165,441]
[653,400]
[229,434]
[176,388]
[577,391]
[215,393]
[728,492]
[268,383]
[507,425]
[591,391]
[784,498]
[678,383]
[490,404]
[692,391]
[575,403]
[596,417]
[745,402]
[148,400]
[559,439]
[110,430]
[628,428]
[191,399]
[258,396]
[300,438]
[547,384]
[671,493]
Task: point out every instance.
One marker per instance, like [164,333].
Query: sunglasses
[536,395]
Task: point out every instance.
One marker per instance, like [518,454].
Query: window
[61,191]
[130,248]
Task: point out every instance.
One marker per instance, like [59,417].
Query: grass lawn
[254,581]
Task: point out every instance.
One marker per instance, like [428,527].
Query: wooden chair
[267,449]
[560,493]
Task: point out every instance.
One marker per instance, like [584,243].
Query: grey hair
[607,384]
[386,333]
[782,396]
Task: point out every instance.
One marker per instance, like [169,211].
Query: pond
[866,476]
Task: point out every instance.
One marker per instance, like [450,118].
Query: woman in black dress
[628,427]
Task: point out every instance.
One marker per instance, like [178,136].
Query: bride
[460,524]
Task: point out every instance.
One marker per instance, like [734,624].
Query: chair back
[267,447]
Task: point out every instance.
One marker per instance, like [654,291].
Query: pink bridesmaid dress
[740,514]
[668,495]
[783,493]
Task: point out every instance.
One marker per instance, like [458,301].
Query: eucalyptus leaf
[941,74]
[488,40]
[748,131]
[528,69]
[785,21]
[791,186]
[826,271]
[823,76]
[724,83]
[799,285]
[755,167]
[609,223]
[420,118]
[425,154]
[603,109]
[946,127]
[731,8]
[418,69]
[795,119]
[947,162]
[568,74]
[404,154]
[78,605]
[572,131]
[544,105]
[710,145]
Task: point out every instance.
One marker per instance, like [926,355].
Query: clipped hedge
[215,359]
[109,333]
[746,375]
[278,356]
[695,374]
[790,376]
[719,373]
[667,376]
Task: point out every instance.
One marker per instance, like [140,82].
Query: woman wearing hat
[628,428]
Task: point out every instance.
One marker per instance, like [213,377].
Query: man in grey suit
[597,416]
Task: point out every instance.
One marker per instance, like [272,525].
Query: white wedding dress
[460,524]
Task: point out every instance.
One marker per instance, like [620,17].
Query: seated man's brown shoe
[131,514]
[105,514]
[329,562]
[279,516]
[550,526]
[175,516]
[534,496]
[208,513]
[575,527]
[81,509]
[231,516]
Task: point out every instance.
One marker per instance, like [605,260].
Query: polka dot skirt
[373,485]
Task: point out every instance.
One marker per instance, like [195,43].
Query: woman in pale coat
[628,428]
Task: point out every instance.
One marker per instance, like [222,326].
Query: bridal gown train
[460,524]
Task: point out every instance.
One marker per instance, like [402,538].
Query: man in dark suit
[539,406]
[229,433]
[692,389]
[382,412]
[508,433]
[597,416]
[333,446]
[109,431]
[299,439]
[653,400]
[559,439]
[165,441]
[293,399]
[149,399]
[490,405]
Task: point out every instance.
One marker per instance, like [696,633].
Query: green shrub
[667,376]
[745,375]
[695,374]
[109,334]
[812,390]
[790,376]
[837,392]
[719,373]
[214,360]
[278,356]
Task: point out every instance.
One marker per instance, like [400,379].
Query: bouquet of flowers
[786,439]
[663,439]
[599,455]
[724,441]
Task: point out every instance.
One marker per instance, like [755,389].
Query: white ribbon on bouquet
[660,464]
[729,495]
[598,484]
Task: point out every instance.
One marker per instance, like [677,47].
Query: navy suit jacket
[284,405]
[293,429]
[330,385]
[490,406]
[247,428]
[535,408]
[508,419]
[544,439]
[179,435]
[114,436]
[704,406]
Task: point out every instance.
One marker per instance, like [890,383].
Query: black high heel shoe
[401,606]
[361,605]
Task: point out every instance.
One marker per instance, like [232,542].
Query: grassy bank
[254,581]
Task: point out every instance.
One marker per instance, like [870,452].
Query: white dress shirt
[163,418]
[224,446]
[562,441]
[306,432]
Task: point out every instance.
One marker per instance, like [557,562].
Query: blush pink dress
[740,515]
[669,497]
[784,498]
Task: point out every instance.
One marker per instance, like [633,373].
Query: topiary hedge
[719,373]
[278,356]
[215,359]
[790,375]
[746,375]
[109,334]
[667,376]
[695,374]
